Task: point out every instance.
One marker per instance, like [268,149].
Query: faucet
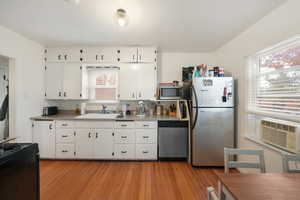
[103,109]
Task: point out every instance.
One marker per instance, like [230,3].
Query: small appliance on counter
[50,110]
[170,91]
[141,109]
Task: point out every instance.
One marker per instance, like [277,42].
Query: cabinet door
[147,54]
[109,55]
[84,144]
[73,54]
[127,54]
[91,55]
[54,80]
[44,136]
[146,82]
[55,55]
[72,81]
[128,81]
[103,144]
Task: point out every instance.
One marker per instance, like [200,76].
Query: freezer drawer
[173,139]
[214,130]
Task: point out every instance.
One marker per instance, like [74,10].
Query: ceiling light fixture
[122,17]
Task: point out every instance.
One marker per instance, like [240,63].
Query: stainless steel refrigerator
[213,120]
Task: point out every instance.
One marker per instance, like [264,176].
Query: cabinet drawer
[64,124]
[65,150]
[146,124]
[124,136]
[94,124]
[65,136]
[124,124]
[125,151]
[146,151]
[146,136]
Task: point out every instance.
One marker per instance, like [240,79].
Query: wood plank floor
[92,180]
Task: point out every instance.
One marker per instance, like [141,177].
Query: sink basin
[97,116]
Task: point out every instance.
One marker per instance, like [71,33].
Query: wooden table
[262,186]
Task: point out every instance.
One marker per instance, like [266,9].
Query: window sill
[273,148]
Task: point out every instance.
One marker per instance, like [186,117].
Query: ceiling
[172,25]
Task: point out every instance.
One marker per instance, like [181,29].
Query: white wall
[170,64]
[27,63]
[281,24]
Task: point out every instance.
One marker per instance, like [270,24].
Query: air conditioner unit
[285,135]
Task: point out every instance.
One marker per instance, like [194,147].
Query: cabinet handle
[50,126]
[64,124]
[123,151]
[140,57]
[146,125]
[145,137]
[102,57]
[96,135]
[65,94]
[64,136]
[59,94]
[64,151]
[66,57]
[144,152]
[89,135]
[123,125]
[59,57]
[140,94]
[132,95]
[123,137]
[96,57]
[133,56]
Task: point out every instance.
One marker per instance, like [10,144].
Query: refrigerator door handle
[196,101]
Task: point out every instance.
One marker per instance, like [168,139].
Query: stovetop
[9,148]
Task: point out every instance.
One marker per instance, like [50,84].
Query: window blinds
[274,85]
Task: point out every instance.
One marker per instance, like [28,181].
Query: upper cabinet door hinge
[80,95]
[155,52]
[45,67]
[113,154]
[45,94]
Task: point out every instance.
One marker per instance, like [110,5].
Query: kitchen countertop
[71,116]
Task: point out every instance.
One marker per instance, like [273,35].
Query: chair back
[288,161]
[211,195]
[228,152]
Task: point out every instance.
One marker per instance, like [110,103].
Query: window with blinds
[274,86]
[103,83]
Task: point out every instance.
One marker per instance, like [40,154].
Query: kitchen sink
[98,116]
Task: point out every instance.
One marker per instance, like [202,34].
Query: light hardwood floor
[94,180]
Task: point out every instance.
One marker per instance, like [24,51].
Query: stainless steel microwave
[170,92]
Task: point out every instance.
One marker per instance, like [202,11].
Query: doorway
[4,100]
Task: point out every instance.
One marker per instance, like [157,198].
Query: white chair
[229,152]
[211,195]
[287,160]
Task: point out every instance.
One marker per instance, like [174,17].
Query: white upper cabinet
[127,81]
[54,80]
[137,81]
[147,54]
[146,82]
[64,81]
[63,54]
[100,55]
[72,81]
[127,54]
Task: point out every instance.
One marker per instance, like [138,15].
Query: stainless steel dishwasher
[173,140]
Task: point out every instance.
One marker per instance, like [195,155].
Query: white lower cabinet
[104,144]
[43,133]
[84,144]
[146,151]
[99,140]
[65,151]
[125,151]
